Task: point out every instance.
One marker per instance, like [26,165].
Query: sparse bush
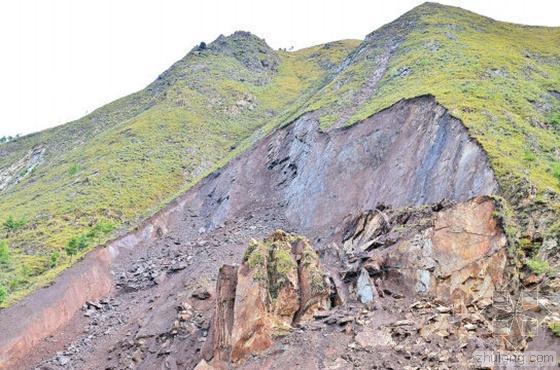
[555,328]
[102,228]
[539,267]
[74,169]
[77,244]
[53,260]
[81,242]
[71,249]
[555,119]
[529,156]
[11,224]
[556,171]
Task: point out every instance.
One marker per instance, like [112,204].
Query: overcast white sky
[63,58]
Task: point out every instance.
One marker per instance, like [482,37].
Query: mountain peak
[246,47]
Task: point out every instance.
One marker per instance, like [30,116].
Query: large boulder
[456,253]
[279,283]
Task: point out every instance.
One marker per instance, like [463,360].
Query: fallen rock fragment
[201,294]
[374,338]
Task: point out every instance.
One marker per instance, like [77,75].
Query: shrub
[539,267]
[83,241]
[555,328]
[74,169]
[102,228]
[555,119]
[556,170]
[77,244]
[11,224]
[71,249]
[529,156]
[53,260]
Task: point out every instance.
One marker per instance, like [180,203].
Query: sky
[62,59]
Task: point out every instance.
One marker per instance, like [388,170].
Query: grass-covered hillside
[64,190]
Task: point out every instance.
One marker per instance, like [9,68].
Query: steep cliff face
[412,153]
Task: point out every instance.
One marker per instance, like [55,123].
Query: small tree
[77,244]
[102,228]
[71,249]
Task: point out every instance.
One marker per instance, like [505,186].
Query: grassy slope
[124,161]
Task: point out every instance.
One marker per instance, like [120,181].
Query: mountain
[422,165]
[124,161]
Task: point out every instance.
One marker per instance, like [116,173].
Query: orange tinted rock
[460,257]
[470,249]
[281,281]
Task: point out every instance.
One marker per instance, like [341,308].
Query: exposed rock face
[279,283]
[222,319]
[457,254]
[13,174]
[412,153]
[51,308]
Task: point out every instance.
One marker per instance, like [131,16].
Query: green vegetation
[554,120]
[74,169]
[555,328]
[126,160]
[496,77]
[501,79]
[274,264]
[54,257]
[3,294]
[77,244]
[12,225]
[5,256]
[556,171]
[7,139]
[539,267]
